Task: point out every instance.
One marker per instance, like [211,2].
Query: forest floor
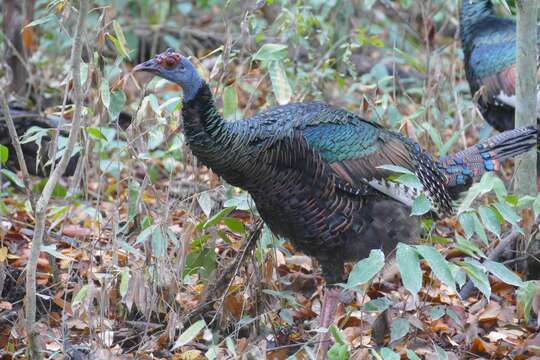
[145,251]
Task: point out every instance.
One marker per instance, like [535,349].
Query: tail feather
[462,168]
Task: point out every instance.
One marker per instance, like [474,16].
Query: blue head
[176,68]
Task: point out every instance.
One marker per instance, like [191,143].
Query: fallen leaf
[3,254]
[491,312]
[495,336]
[479,346]
[76,231]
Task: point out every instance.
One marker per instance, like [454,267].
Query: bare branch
[18,150]
[43,201]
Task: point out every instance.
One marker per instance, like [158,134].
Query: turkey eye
[170,63]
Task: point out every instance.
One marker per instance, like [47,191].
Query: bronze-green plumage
[314,172]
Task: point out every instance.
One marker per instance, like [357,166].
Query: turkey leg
[331,300]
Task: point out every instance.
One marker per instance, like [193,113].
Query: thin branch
[34,351]
[18,149]
[217,288]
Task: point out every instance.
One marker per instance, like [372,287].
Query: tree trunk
[525,183]
[526,92]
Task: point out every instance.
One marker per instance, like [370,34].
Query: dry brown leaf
[491,312]
[3,254]
[190,355]
[479,346]
[76,231]
[439,325]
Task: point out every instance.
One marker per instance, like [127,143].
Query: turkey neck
[470,14]
[206,132]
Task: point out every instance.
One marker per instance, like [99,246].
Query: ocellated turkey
[314,171]
[489,47]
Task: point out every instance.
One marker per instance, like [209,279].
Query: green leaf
[469,248]
[388,354]
[338,352]
[119,41]
[364,270]
[377,305]
[280,83]
[508,214]
[437,312]
[11,176]
[503,273]
[41,20]
[158,242]
[284,294]
[124,282]
[396,169]
[409,266]
[112,167]
[145,234]
[206,203]
[134,189]
[81,295]
[479,229]
[231,347]
[421,205]
[525,296]
[336,334]
[234,225]
[412,355]
[4,209]
[271,52]
[4,154]
[478,277]
[536,206]
[95,133]
[409,180]
[438,265]
[466,220]
[441,354]
[118,99]
[433,134]
[453,139]
[153,101]
[190,334]
[230,102]
[214,220]
[454,316]
[490,219]
[398,329]
[488,182]
[241,201]
[52,250]
[59,190]
[105,93]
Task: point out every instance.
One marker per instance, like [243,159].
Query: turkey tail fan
[467,165]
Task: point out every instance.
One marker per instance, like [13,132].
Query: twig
[217,288]
[18,150]
[495,254]
[43,201]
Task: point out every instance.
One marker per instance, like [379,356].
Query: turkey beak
[149,66]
